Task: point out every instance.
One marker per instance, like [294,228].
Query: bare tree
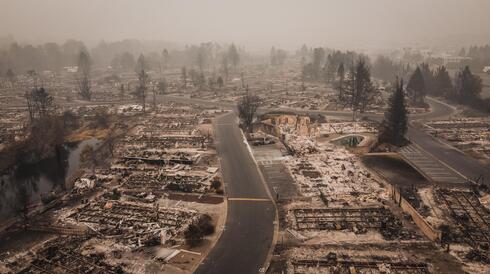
[11,77]
[39,104]
[225,68]
[83,78]
[33,74]
[184,77]
[219,81]
[88,156]
[47,130]
[154,90]
[234,56]
[242,79]
[165,59]
[121,91]
[22,195]
[162,86]
[247,107]
[341,75]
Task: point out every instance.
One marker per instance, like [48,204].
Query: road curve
[462,163]
[457,160]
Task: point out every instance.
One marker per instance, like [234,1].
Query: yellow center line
[249,199]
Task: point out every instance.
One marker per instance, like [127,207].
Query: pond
[38,180]
[349,140]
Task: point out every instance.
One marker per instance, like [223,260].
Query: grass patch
[87,133]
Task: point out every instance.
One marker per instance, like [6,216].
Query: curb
[275,236]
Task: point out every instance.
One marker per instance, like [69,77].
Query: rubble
[358,220]
[472,219]
[134,223]
[65,255]
[122,207]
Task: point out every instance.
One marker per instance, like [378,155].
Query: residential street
[248,232]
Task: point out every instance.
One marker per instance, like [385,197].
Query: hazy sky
[253,23]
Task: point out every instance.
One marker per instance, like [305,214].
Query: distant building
[448,58]
[71,69]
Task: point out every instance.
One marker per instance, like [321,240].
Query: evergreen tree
[394,125]
[429,79]
[416,87]
[444,86]
[468,87]
[359,90]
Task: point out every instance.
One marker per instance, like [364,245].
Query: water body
[349,140]
[39,179]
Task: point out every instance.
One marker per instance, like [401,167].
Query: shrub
[216,184]
[205,225]
[196,232]
[193,235]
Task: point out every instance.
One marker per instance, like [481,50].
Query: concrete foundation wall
[430,232]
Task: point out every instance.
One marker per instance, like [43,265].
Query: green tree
[443,84]
[429,80]
[394,125]
[416,87]
[193,235]
[468,87]
[359,90]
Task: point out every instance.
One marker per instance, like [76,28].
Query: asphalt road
[247,237]
[457,160]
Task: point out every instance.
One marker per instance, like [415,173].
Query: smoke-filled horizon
[256,24]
